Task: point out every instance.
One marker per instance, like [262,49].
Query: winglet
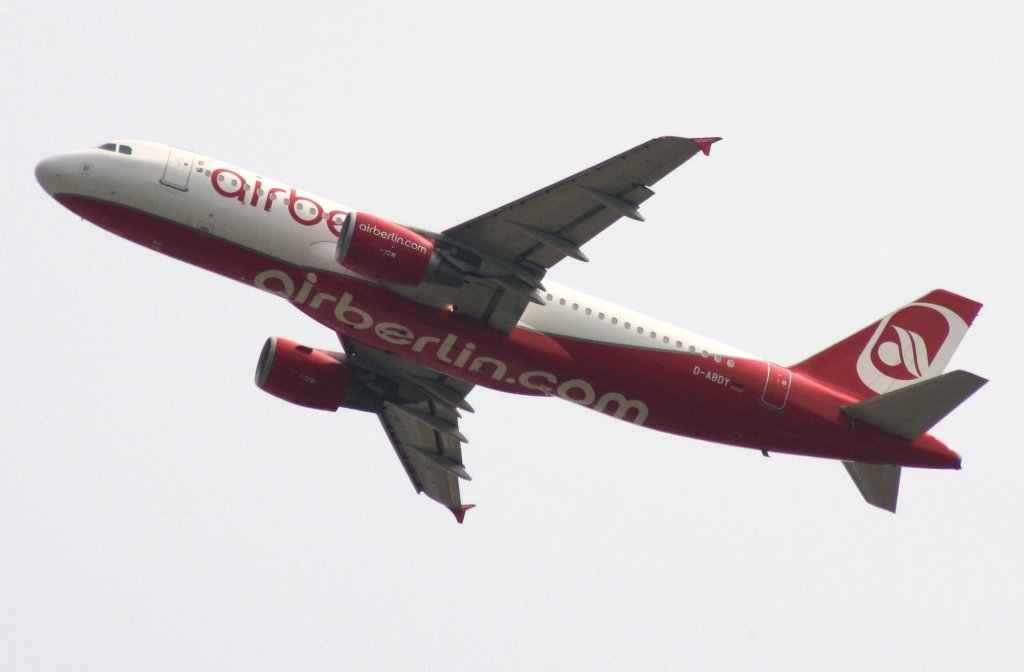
[460,513]
[705,144]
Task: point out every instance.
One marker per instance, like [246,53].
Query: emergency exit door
[776,388]
[178,169]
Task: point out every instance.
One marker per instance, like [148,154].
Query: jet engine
[310,377]
[391,253]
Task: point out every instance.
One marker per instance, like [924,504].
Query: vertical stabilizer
[912,344]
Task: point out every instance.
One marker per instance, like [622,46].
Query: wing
[419,410]
[506,252]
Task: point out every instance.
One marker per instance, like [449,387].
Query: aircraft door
[776,387]
[178,169]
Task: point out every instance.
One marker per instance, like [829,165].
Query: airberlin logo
[909,351]
[374,230]
[448,349]
[915,342]
[303,209]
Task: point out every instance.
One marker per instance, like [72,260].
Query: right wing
[419,410]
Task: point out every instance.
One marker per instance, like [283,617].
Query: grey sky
[157,511]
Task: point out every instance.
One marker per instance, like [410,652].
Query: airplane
[423,317]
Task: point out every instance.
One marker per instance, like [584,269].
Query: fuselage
[588,351]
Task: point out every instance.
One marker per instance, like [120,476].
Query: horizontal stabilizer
[878,483]
[911,411]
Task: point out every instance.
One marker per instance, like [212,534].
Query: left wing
[419,410]
[505,253]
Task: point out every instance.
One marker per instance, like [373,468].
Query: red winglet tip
[460,513]
[705,144]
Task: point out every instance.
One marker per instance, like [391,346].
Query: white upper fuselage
[301,229]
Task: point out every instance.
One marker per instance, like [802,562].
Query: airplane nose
[60,173]
[49,173]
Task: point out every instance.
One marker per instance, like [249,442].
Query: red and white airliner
[423,317]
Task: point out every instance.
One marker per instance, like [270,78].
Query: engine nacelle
[391,253]
[309,377]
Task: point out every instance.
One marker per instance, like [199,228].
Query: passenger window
[561,302]
[124,149]
[588,311]
[600,316]
[639,330]
[575,306]
[615,320]
[626,325]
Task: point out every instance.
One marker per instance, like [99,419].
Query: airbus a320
[424,316]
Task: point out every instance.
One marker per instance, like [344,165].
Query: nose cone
[66,173]
[51,173]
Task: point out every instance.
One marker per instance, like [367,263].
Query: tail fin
[914,343]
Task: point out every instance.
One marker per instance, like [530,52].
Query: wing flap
[431,459]
[419,410]
[574,213]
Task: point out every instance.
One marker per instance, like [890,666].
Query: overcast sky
[158,511]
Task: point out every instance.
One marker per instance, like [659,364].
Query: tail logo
[911,351]
[915,342]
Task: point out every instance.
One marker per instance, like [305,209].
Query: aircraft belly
[694,395]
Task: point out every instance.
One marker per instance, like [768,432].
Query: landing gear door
[776,388]
[178,169]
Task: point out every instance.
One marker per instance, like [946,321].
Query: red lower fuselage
[742,401]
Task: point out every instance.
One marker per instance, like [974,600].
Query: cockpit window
[114,147]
